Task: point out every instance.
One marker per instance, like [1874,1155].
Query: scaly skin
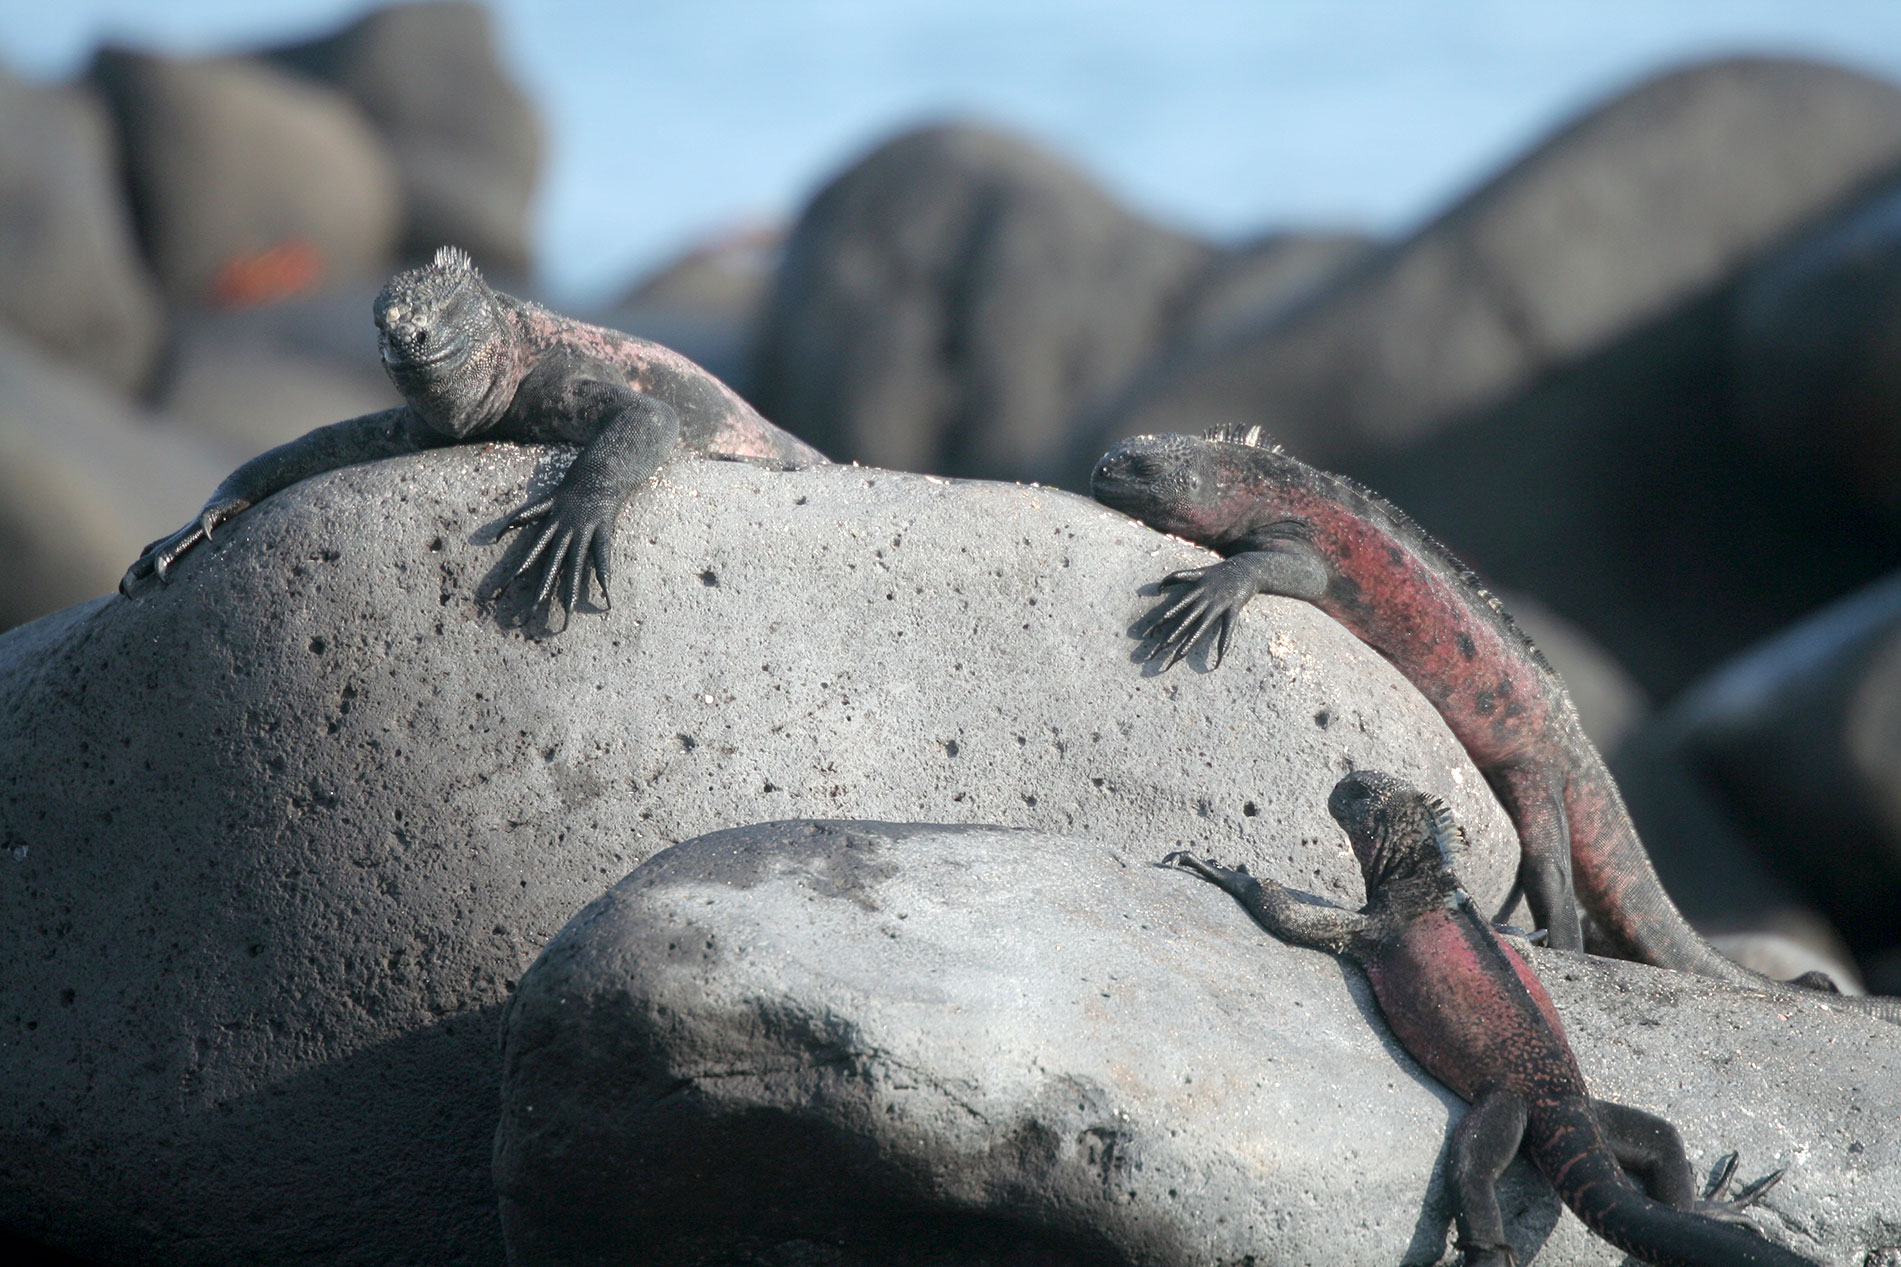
[1469,1008]
[476,365]
[1289,529]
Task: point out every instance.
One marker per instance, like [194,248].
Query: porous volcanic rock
[874,1043]
[951,299]
[277,839]
[1623,215]
[247,181]
[70,272]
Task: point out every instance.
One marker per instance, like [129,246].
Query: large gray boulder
[1817,346]
[872,1043]
[70,272]
[86,480]
[251,379]
[705,302]
[1794,749]
[465,137]
[951,299]
[277,840]
[248,181]
[1625,214]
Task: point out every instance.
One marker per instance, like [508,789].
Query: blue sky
[669,120]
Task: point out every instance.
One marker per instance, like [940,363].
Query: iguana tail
[1589,1180]
[1617,884]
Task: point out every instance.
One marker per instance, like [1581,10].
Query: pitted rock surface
[277,838]
[906,1044]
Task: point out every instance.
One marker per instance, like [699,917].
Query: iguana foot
[1209,609]
[575,540]
[1718,1204]
[1237,882]
[154,564]
[1486,1255]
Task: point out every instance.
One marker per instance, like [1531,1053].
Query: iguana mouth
[398,359]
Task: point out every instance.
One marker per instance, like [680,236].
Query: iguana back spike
[1235,433]
[453,257]
[1447,835]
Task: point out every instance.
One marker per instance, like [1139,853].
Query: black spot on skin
[1467,648]
[1485,702]
[1395,556]
[1345,591]
[1504,686]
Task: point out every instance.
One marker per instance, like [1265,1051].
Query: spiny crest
[453,259]
[1447,835]
[1235,433]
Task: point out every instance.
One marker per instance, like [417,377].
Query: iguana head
[447,344]
[1205,488]
[1397,831]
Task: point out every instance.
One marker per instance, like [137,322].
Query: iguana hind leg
[1533,795]
[1651,1150]
[1483,1144]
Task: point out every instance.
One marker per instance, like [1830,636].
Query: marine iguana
[477,365]
[1464,1002]
[1289,529]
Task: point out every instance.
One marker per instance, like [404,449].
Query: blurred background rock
[1610,301]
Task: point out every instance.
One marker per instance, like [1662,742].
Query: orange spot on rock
[262,277]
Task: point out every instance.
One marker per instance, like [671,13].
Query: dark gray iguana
[476,365]
[1289,529]
[1468,1007]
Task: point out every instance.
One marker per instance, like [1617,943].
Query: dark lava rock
[248,181]
[277,839]
[1795,748]
[874,1043]
[70,272]
[85,481]
[1271,274]
[954,297]
[250,379]
[466,139]
[705,302]
[1621,217]
[1817,333]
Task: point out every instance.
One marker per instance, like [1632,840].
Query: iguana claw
[1209,609]
[575,539]
[156,560]
[1237,882]
[1718,1204]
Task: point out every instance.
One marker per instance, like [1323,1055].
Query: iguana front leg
[384,434]
[576,534]
[1215,595]
[1317,925]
